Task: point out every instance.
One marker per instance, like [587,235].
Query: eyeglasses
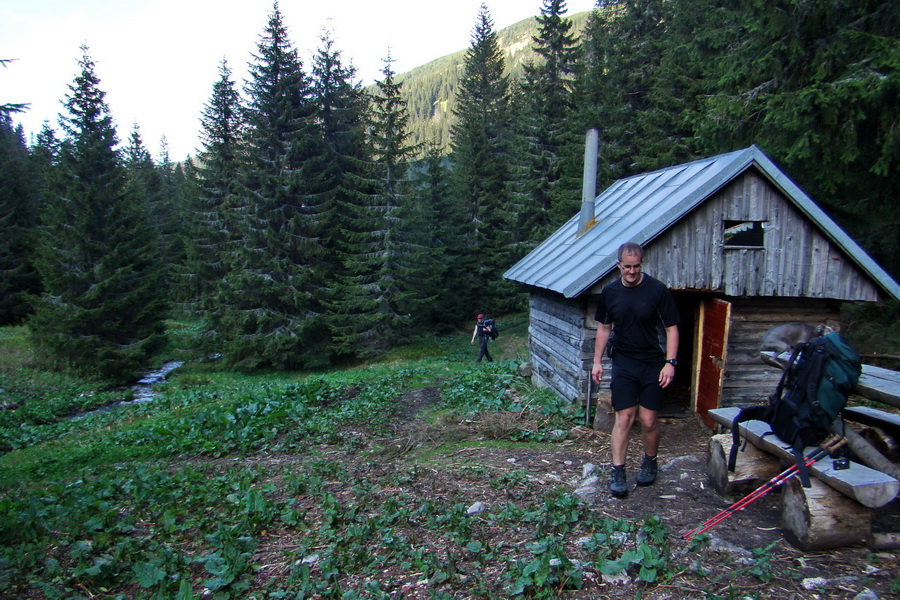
[624,267]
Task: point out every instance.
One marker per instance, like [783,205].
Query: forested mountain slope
[430,89]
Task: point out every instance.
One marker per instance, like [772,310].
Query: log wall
[560,344]
[748,380]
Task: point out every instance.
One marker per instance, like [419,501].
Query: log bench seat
[867,486]
[837,509]
[890,422]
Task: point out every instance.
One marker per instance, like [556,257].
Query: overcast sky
[157,60]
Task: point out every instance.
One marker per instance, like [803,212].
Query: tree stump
[821,518]
[604,415]
[753,468]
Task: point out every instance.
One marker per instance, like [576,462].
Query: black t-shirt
[639,316]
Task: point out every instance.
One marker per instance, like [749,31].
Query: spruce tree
[442,225]
[379,290]
[346,200]
[622,47]
[102,308]
[146,181]
[545,196]
[8,108]
[481,140]
[215,187]
[19,216]
[692,38]
[173,217]
[414,263]
[273,282]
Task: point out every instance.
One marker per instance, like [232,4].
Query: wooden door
[715,321]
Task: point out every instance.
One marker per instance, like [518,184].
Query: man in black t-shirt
[637,318]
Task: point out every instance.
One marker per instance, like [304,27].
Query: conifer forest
[310,228]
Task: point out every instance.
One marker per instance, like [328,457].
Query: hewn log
[867,415]
[864,451]
[819,518]
[867,486]
[604,416]
[754,468]
[879,384]
[882,441]
[884,541]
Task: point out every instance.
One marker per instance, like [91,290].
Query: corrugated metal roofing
[641,207]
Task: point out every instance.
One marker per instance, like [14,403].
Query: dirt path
[681,497]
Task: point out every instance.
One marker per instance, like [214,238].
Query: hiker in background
[483,335]
[637,319]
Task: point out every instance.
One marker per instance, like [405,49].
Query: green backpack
[811,393]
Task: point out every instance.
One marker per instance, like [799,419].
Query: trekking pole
[813,457]
[756,494]
[587,406]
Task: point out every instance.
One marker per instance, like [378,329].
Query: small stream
[143,389]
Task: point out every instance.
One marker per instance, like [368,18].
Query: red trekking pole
[813,457]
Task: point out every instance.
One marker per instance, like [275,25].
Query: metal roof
[639,208]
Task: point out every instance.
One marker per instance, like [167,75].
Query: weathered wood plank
[542,324]
[567,311]
[565,350]
[546,375]
[747,380]
[872,416]
[867,486]
[879,384]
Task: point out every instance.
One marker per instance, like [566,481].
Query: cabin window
[744,234]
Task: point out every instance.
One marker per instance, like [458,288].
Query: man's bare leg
[650,430]
[650,434]
[621,429]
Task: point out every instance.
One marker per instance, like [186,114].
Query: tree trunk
[864,451]
[819,518]
[604,416]
[753,468]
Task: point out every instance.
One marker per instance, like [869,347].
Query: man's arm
[668,371]
[603,331]
[672,341]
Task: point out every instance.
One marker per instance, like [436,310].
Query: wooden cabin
[741,247]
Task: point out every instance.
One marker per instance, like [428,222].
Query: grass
[299,485]
[131,502]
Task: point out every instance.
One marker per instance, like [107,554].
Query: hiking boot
[618,485]
[648,471]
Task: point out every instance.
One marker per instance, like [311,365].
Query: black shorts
[636,382]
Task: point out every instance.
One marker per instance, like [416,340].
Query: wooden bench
[875,383]
[890,422]
[867,486]
[882,385]
[835,511]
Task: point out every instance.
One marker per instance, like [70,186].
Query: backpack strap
[751,413]
[817,354]
[800,461]
[788,372]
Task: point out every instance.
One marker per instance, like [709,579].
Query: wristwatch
[672,361]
